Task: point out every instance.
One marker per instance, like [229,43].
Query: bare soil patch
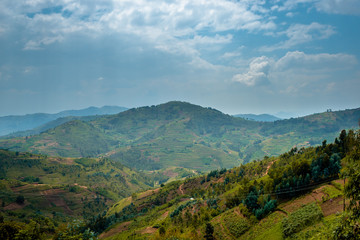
[15,206]
[164,215]
[84,187]
[315,196]
[67,161]
[332,206]
[120,228]
[170,173]
[148,193]
[54,197]
[148,230]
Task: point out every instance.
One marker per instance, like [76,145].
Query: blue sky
[251,56]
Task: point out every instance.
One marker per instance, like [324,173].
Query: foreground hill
[24,123]
[183,135]
[294,196]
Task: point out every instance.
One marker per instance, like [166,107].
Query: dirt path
[181,189]
[268,167]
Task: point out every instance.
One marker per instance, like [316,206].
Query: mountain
[259,118]
[12,124]
[179,134]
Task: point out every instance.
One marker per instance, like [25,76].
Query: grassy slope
[316,210]
[230,224]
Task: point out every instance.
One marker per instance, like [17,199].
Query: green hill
[183,135]
[297,195]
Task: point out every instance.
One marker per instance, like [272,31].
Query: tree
[20,199]
[209,231]
[349,227]
[8,230]
[30,231]
[162,230]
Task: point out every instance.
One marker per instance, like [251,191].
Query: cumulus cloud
[257,73]
[297,70]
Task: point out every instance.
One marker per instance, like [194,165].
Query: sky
[290,57]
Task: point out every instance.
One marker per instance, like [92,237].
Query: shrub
[236,224]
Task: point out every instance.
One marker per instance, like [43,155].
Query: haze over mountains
[259,117]
[181,134]
[12,124]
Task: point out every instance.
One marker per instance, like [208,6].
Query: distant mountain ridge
[259,117]
[180,134]
[16,123]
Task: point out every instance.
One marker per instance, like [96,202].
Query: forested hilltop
[183,135]
[297,195]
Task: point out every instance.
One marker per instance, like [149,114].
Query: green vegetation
[37,190]
[236,224]
[268,199]
[183,135]
[294,195]
[300,219]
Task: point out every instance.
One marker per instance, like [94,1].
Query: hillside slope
[63,188]
[294,196]
[183,135]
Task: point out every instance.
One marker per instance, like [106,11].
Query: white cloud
[39,44]
[315,62]
[300,33]
[257,73]
[351,7]
[187,23]
[297,70]
[28,69]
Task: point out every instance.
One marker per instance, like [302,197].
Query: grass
[331,192]
[269,228]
